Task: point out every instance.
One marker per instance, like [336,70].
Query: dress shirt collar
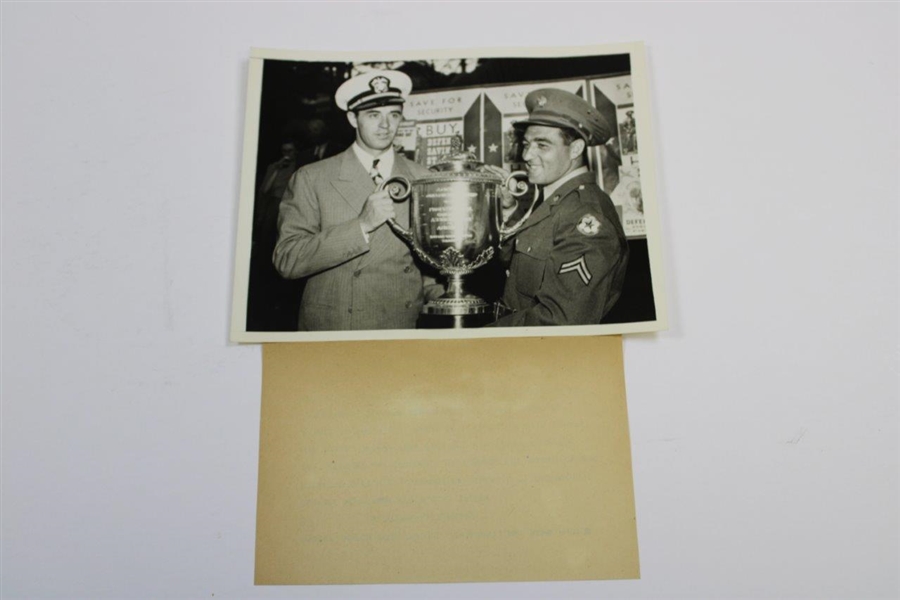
[385,163]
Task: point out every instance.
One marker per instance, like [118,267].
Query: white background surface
[764,423]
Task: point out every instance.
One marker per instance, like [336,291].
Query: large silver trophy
[455,218]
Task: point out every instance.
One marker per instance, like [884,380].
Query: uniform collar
[385,162]
[552,187]
[565,186]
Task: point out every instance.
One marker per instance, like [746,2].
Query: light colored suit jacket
[352,284]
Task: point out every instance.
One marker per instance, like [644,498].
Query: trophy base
[471,305]
[456,309]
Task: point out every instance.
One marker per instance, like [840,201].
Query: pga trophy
[455,226]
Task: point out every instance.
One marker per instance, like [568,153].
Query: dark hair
[569,135]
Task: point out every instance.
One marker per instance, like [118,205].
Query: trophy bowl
[455,224]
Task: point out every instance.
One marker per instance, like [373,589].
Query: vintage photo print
[445,194]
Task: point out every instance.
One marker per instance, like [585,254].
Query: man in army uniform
[567,261]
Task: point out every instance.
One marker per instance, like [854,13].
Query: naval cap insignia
[379,84]
[541,101]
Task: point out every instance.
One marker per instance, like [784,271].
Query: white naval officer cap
[375,88]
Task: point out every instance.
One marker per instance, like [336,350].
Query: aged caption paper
[445,461]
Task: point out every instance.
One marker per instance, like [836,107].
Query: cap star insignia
[579,267]
[492,148]
[589,225]
[541,101]
[380,84]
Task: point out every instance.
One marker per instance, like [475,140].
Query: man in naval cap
[567,262]
[332,221]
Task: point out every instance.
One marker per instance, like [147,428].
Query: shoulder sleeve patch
[589,225]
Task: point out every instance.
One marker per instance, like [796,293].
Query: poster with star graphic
[447,122]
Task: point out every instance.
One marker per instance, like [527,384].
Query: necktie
[374,174]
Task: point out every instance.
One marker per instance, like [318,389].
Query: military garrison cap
[558,108]
[375,88]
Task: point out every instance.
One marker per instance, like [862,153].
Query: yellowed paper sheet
[445,461]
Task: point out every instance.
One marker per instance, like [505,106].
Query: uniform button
[507,272]
[357,273]
[406,269]
[350,310]
[408,304]
[529,249]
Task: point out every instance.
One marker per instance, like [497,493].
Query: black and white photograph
[447,194]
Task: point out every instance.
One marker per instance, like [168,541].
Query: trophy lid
[465,165]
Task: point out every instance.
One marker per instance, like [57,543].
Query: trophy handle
[398,188]
[517,177]
[520,188]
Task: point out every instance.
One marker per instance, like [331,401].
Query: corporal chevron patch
[578,266]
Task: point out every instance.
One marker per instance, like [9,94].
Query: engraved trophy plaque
[455,225]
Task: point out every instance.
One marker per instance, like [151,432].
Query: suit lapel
[353,183]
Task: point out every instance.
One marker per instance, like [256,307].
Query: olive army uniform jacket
[567,263]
